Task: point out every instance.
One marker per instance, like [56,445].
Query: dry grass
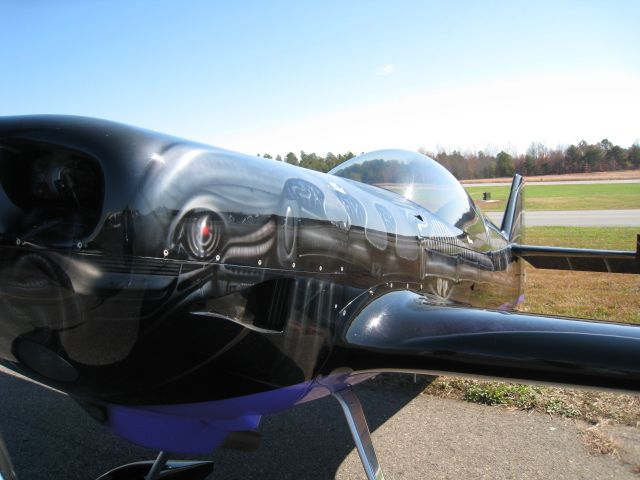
[599,443]
[602,296]
[591,406]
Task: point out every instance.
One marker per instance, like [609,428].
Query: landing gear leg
[161,469]
[352,409]
[157,466]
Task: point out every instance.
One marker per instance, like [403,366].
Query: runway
[576,218]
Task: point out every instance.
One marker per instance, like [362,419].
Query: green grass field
[610,238]
[601,196]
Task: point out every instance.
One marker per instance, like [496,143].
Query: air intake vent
[270,303]
[50,195]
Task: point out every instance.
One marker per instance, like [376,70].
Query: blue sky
[332,76]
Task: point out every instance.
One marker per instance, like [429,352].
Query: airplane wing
[579,259]
[561,258]
[402,330]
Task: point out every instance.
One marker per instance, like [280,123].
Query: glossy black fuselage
[139,268]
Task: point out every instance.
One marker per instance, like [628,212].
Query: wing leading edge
[580,259]
[402,330]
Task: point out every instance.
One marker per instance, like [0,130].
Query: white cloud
[386,70]
[506,113]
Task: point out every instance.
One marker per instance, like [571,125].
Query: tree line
[538,160]
[313,161]
[542,160]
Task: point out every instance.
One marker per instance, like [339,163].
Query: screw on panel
[320,268]
[293,265]
[344,313]
[18,241]
[79,245]
[165,252]
[259,262]
[217,258]
[335,306]
[342,269]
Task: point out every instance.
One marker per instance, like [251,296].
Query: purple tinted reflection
[199,428]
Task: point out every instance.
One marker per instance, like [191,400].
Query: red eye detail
[203,234]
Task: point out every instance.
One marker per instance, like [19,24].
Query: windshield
[416,177]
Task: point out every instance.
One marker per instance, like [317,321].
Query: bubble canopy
[415,177]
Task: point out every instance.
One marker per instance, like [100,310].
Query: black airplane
[179,291]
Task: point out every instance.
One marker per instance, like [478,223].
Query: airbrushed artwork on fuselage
[328,225]
[323,224]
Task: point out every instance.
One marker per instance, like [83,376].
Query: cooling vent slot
[270,303]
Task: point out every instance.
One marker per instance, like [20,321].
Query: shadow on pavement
[49,436]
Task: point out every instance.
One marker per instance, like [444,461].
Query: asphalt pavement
[417,437]
[576,218]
